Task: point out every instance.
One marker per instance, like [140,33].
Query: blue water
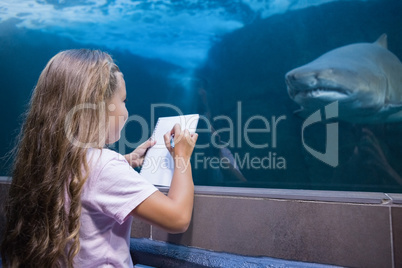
[221,59]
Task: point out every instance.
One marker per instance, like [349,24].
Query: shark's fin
[393,112]
[395,117]
[382,41]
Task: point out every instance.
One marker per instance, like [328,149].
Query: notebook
[158,164]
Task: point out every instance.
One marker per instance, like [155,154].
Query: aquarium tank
[291,94]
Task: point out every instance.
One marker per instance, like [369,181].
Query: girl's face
[117,111]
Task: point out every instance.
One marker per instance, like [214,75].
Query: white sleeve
[118,189]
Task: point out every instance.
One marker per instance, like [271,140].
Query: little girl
[71,201]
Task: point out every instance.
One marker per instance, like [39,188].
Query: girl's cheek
[126,114]
[123,122]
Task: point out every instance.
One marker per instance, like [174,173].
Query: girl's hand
[172,212]
[184,142]
[136,157]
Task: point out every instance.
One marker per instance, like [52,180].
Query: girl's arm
[172,212]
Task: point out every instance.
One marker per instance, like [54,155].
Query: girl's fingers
[194,137]
[178,135]
[151,143]
[147,144]
[167,137]
[176,130]
[140,161]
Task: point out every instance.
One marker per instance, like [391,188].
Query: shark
[364,78]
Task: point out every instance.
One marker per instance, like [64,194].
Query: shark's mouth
[318,92]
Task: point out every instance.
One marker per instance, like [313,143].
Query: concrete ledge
[4,179]
[352,229]
[162,254]
[302,195]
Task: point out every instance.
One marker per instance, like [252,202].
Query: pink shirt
[111,192]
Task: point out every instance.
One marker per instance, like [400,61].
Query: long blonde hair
[44,203]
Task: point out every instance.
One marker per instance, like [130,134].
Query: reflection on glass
[274,114]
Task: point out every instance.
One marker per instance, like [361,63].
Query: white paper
[158,164]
